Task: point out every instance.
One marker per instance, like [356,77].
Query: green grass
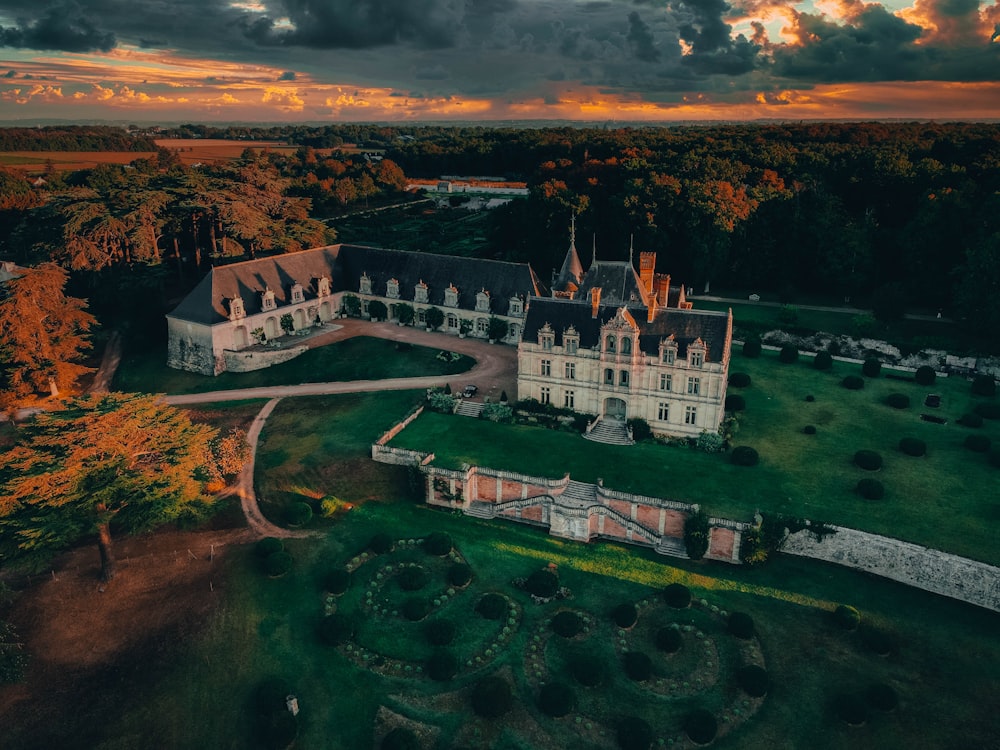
[945,500]
[359,358]
[944,668]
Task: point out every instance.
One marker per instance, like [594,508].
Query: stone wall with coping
[245,361]
[399,427]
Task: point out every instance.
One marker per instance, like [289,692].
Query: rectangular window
[694,386]
[571,346]
[452,322]
[568,399]
[545,396]
[609,377]
[665,381]
[690,415]
[668,355]
[547,343]
[697,358]
[547,367]
[571,370]
[664,412]
[623,378]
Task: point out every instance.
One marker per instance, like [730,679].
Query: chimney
[651,309]
[647,265]
[595,301]
[663,289]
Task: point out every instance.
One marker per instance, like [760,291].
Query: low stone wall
[244,361]
[386,454]
[399,427]
[921,567]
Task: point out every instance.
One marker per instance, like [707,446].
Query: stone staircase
[580,492]
[672,546]
[610,432]
[468,408]
[481,510]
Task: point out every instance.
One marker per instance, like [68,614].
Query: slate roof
[344,265]
[618,281]
[685,325]
[571,271]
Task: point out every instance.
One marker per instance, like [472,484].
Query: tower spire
[631,239]
[593,259]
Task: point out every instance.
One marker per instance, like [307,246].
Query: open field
[946,499]
[432,230]
[214,150]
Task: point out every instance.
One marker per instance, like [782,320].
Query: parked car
[470,391]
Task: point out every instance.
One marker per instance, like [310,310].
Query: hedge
[337,581]
[492,606]
[744,455]
[925,375]
[751,348]
[669,640]
[438,544]
[823,361]
[567,624]
[870,489]
[788,354]
[412,578]
[753,680]
[871,367]
[268,546]
[380,543]
[625,615]
[415,608]
[846,617]
[335,629]
[739,380]
[809,429]
[982,385]
[459,575]
[913,447]
[556,699]
[677,595]
[400,738]
[735,402]
[977,443]
[741,625]
[278,564]
[543,584]
[440,632]
[868,460]
[634,734]
[701,726]
[491,697]
[853,383]
[638,666]
[298,514]
[898,400]
[441,666]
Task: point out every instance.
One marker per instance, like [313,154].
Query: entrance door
[614,408]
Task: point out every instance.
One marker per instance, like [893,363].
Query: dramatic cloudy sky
[316,60]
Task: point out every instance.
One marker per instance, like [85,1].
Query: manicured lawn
[945,500]
[359,358]
[942,666]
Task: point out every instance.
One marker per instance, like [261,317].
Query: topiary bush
[542,583]
[412,578]
[753,680]
[868,460]
[810,398]
[669,640]
[491,606]
[586,669]
[788,354]
[878,641]
[440,632]
[977,443]
[898,400]
[459,575]
[400,738]
[853,383]
[677,595]
[870,489]
[744,455]
[556,699]
[701,726]
[278,564]
[872,367]
[268,546]
[913,447]
[752,348]
[380,543]
[336,629]
[823,361]
[984,385]
[809,429]
[846,617]
[735,402]
[567,624]
[638,666]
[298,514]
[491,697]
[441,666]
[634,733]
[882,697]
[925,375]
[280,730]
[741,625]
[850,709]
[696,535]
[739,380]
[625,615]
[971,420]
[438,544]
[988,411]
[416,608]
[270,695]
[337,581]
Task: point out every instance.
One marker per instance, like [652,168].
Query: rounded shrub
[677,595]
[543,584]
[669,640]
[823,361]
[412,578]
[751,348]
[853,383]
[753,680]
[870,489]
[280,730]
[441,666]
[898,400]
[380,543]
[491,697]
[850,709]
[988,411]
[438,544]
[638,666]
[810,398]
[735,402]
[809,429]
[298,514]
[871,367]
[846,617]
[567,624]
[587,670]
[336,629]
[700,726]
[741,625]
[977,443]
[913,446]
[925,375]
[278,564]
[878,641]
[400,738]
[440,632]
[268,546]
[625,615]
[739,380]
[491,606]
[270,695]
[744,455]
[634,733]
[459,575]
[415,608]
[983,385]
[788,354]
[882,697]
[868,460]
[556,699]
[337,581]
[971,420]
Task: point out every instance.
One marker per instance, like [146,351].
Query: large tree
[112,463]
[43,333]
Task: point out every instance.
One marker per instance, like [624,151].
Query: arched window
[626,346]
[623,378]
[609,377]
[610,343]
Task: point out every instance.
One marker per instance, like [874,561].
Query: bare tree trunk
[104,545]
[180,264]
[53,388]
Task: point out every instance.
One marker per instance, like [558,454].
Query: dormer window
[323,287]
[451,296]
[392,289]
[297,293]
[516,306]
[571,340]
[420,292]
[546,337]
[267,300]
[236,309]
[365,287]
[626,345]
[668,351]
[483,301]
[696,354]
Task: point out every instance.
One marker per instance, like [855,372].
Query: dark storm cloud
[60,28]
[641,38]
[288,75]
[10,73]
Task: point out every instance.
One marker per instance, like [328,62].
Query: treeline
[72,138]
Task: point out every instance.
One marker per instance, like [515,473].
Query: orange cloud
[287,100]
[36,92]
